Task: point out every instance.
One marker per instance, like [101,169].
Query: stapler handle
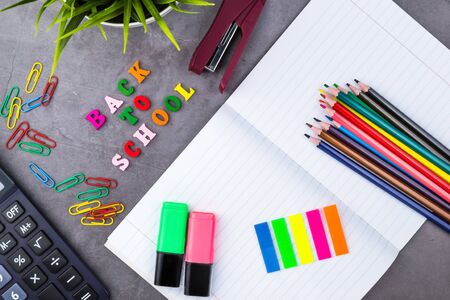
[246,24]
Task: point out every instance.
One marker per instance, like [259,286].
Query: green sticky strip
[284,243]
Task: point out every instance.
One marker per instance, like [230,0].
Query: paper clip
[102,182]
[17,135]
[41,138]
[41,175]
[6,101]
[88,221]
[70,182]
[14,108]
[32,104]
[107,210]
[34,148]
[51,85]
[84,207]
[35,73]
[96,194]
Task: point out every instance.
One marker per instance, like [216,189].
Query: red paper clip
[102,182]
[51,85]
[41,138]
[17,135]
[106,211]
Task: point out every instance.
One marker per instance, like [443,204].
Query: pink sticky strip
[318,234]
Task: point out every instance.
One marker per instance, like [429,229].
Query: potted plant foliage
[77,15]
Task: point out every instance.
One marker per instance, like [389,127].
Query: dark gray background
[88,71]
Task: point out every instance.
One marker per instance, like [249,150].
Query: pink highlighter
[199,254]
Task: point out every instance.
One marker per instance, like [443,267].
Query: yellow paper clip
[14,108]
[88,221]
[84,207]
[34,74]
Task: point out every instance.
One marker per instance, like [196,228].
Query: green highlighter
[171,244]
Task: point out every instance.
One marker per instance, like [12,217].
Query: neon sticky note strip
[304,250]
[284,243]
[267,247]
[335,228]
[318,234]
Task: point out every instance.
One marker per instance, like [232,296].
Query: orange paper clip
[84,207]
[17,135]
[88,221]
[34,75]
[49,89]
[102,182]
[41,138]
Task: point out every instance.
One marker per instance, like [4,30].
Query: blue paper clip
[32,104]
[41,175]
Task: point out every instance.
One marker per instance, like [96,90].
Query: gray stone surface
[89,70]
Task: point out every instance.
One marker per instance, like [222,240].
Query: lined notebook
[251,163]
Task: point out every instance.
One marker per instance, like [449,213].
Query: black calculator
[35,261]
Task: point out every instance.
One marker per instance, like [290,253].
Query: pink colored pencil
[386,152]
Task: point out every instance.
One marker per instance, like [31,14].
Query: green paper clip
[70,182]
[97,194]
[34,148]
[5,104]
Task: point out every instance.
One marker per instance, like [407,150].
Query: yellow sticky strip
[302,244]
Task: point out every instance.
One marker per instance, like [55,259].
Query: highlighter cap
[200,238]
[172,228]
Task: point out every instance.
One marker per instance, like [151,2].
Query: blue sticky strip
[267,247]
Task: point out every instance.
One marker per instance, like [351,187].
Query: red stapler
[233,14]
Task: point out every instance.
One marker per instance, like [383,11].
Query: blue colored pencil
[379,182]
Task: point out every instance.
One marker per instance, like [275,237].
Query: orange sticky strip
[335,228]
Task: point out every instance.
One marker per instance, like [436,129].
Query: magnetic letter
[128,149]
[186,95]
[126,114]
[113,104]
[172,103]
[120,162]
[96,118]
[142,103]
[144,134]
[137,72]
[160,117]
[121,85]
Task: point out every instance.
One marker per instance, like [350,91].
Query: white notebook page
[251,162]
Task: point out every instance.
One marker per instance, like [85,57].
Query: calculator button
[55,261]
[51,293]
[39,243]
[14,293]
[7,242]
[85,293]
[35,278]
[5,277]
[13,212]
[19,260]
[25,227]
[70,279]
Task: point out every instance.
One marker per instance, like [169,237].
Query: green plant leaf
[140,13]
[60,13]
[175,7]
[162,24]
[84,8]
[44,6]
[17,4]
[127,6]
[162,2]
[197,2]
[100,27]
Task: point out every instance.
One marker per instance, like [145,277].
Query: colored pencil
[414,159]
[400,116]
[385,125]
[378,182]
[335,133]
[394,120]
[444,194]
[386,176]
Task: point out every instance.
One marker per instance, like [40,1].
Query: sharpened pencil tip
[323,106]
[309,125]
[335,85]
[348,84]
[317,120]
[323,96]
[329,118]
[356,80]
[307,135]
[326,85]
